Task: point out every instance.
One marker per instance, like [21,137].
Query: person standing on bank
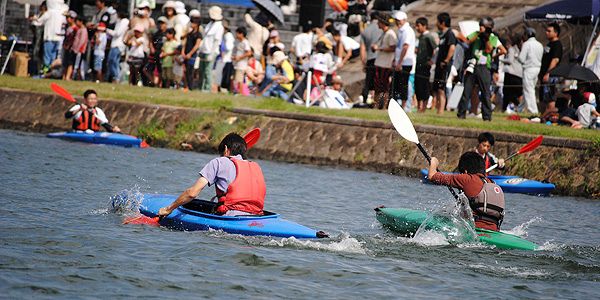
[552,55]
[446,49]
[384,48]
[210,47]
[368,37]
[531,59]
[404,58]
[485,47]
[425,47]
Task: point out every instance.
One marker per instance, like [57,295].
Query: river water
[60,238]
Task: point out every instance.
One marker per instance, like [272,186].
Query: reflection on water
[61,237]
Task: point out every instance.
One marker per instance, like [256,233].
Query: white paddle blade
[401,122]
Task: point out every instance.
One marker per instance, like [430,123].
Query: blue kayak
[513,184]
[197,215]
[107,138]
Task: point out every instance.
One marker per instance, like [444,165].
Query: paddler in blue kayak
[486,198]
[87,116]
[240,183]
[486,142]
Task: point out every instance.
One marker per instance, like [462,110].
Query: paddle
[62,92]
[251,139]
[527,148]
[405,128]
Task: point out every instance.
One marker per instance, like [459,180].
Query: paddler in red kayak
[486,198]
[486,142]
[239,183]
[87,116]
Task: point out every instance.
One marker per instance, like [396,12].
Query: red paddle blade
[252,137]
[531,145]
[142,220]
[62,92]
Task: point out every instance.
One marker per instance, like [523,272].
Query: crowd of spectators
[403,60]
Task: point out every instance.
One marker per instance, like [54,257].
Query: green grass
[210,101]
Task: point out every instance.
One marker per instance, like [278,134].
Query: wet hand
[163,212]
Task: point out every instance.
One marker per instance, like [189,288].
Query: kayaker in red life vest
[87,117]
[486,142]
[486,198]
[239,183]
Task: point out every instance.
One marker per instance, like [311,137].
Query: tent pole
[587,49]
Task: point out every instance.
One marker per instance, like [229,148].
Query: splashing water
[126,202]
[345,244]
[521,230]
[451,224]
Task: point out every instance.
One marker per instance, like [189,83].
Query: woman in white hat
[168,10]
[142,17]
[213,34]
[182,21]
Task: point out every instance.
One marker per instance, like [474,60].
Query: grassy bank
[196,99]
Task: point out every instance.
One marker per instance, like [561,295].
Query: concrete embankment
[573,165]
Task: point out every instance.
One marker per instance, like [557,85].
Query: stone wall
[573,165]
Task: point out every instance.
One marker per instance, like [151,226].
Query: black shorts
[440,77]
[69,59]
[422,84]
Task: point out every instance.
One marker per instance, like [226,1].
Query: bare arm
[188,195]
[450,54]
[363,53]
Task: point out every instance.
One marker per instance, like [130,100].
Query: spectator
[182,21]
[385,49]
[513,74]
[587,114]
[567,114]
[169,13]
[404,59]
[224,66]
[483,45]
[52,20]
[192,43]
[137,45]
[210,47]
[117,47]
[446,48]
[167,54]
[257,34]
[241,54]
[279,84]
[370,36]
[321,63]
[178,67]
[550,60]
[68,53]
[531,58]
[254,72]
[426,47]
[142,18]
[100,41]
[102,16]
[79,47]
[346,48]
[302,46]
[274,41]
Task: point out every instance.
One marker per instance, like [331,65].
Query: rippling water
[60,239]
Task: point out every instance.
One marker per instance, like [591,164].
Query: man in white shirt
[531,59]
[404,58]
[384,48]
[302,46]
[346,48]
[213,34]
[52,20]
[117,47]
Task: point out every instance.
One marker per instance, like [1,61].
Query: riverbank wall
[572,165]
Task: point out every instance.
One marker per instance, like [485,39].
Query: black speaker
[312,13]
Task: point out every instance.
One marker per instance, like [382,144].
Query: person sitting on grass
[586,112]
[239,183]
[486,198]
[87,116]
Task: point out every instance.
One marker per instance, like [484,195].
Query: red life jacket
[87,120]
[247,192]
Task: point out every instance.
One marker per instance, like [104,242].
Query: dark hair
[79,18]
[374,15]
[486,137]
[89,92]
[321,47]
[235,143]
[423,21]
[384,19]
[273,50]
[444,18]
[472,163]
[330,20]
[170,31]
[556,27]
[335,32]
[242,30]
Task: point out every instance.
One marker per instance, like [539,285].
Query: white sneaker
[479,116]
[471,115]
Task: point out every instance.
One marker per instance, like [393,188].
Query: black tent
[573,11]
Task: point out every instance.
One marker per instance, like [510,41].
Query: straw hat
[279,57]
[215,13]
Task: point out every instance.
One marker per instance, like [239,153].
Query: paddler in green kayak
[240,183]
[88,117]
[486,198]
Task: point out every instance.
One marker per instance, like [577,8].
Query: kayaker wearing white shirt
[87,117]
[239,183]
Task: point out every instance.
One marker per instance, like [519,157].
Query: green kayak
[407,222]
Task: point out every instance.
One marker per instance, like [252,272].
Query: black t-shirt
[446,40]
[158,39]
[190,41]
[567,112]
[552,50]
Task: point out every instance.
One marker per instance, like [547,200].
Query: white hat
[400,15]
[162,19]
[279,57]
[215,13]
[144,4]
[180,7]
[194,13]
[168,4]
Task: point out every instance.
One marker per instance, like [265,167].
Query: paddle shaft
[429,160]
[496,165]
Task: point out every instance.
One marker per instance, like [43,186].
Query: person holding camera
[485,46]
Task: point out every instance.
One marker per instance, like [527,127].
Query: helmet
[486,22]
